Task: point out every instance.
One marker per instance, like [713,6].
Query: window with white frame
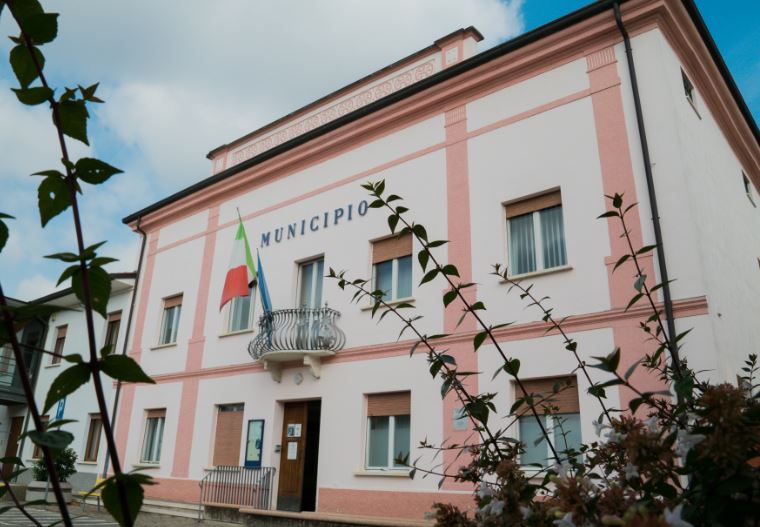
[93,438]
[563,425]
[388,430]
[310,275]
[240,314]
[170,320]
[154,434]
[392,267]
[536,234]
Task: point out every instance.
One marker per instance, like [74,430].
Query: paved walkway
[14,518]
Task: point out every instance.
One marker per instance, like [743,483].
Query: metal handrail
[235,485]
[300,329]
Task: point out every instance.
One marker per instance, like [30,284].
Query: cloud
[35,287]
[181,78]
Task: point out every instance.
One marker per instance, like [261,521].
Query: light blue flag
[266,302]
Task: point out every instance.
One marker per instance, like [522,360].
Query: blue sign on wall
[60,408]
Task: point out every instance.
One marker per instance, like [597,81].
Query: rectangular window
[748,189]
[93,438]
[310,276]
[392,267]
[112,330]
[388,429]
[170,321]
[60,340]
[37,452]
[229,430]
[154,434]
[563,426]
[241,312]
[688,87]
[536,234]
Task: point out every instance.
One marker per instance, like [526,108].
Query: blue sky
[180,81]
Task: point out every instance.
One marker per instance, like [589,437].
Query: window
[93,438]
[564,426]
[112,330]
[536,234]
[154,433]
[241,312]
[748,189]
[688,87]
[310,276]
[60,340]
[170,322]
[392,267]
[229,430]
[37,452]
[388,429]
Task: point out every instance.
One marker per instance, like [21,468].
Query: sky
[180,78]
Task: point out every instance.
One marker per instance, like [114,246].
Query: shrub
[65,465]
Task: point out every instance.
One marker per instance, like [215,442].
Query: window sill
[383,473]
[143,464]
[56,365]
[233,333]
[163,346]
[407,300]
[542,272]
[87,462]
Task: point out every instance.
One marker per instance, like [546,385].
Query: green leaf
[639,283]
[450,269]
[55,439]
[633,300]
[512,367]
[420,232]
[621,261]
[68,273]
[4,230]
[449,297]
[477,341]
[123,368]
[64,257]
[68,381]
[52,198]
[423,256]
[429,276]
[392,222]
[23,65]
[646,249]
[617,201]
[33,96]
[42,27]
[22,11]
[73,115]
[94,171]
[608,214]
[437,243]
[100,289]
[133,487]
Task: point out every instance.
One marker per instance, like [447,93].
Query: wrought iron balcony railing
[291,334]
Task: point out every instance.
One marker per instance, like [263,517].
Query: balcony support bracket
[315,365]
[274,369]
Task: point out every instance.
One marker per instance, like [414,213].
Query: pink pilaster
[459,254]
[189,397]
[617,177]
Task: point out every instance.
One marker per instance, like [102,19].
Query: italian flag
[241,273]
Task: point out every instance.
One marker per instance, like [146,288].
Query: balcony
[288,335]
[11,391]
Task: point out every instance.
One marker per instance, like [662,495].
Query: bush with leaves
[684,456]
[59,191]
[65,466]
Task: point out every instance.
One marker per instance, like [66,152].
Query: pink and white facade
[462,137]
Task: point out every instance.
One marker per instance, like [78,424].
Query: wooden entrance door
[298,456]
[11,449]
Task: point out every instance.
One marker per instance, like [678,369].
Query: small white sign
[292,449]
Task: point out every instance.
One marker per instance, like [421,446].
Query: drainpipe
[670,320]
[126,338]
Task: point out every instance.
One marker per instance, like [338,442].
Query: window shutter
[390,248]
[396,403]
[160,412]
[172,301]
[229,429]
[61,332]
[528,205]
[113,317]
[566,399]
